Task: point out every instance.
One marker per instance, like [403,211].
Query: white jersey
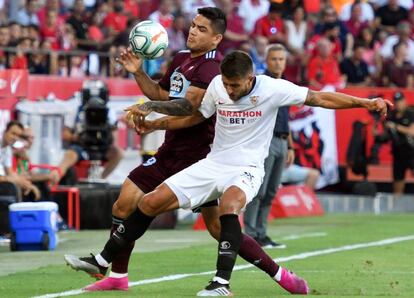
[244,128]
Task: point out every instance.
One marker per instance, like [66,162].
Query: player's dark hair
[236,64]
[14,123]
[217,18]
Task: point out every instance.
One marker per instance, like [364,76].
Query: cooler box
[33,226]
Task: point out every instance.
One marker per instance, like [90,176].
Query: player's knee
[151,204]
[232,206]
[122,210]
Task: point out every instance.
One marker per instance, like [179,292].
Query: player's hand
[138,112]
[145,127]
[381,106]
[129,61]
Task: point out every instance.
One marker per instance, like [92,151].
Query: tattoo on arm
[176,107]
[311,99]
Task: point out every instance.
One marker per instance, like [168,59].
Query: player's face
[201,37]
[238,87]
[276,63]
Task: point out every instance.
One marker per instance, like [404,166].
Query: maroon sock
[253,253]
[120,262]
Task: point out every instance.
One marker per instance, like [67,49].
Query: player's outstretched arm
[177,107]
[336,100]
[149,87]
[168,123]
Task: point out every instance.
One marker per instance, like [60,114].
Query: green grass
[376,271]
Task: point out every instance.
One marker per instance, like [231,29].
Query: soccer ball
[148,39]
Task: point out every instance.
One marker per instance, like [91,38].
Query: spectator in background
[77,20]
[271,25]
[354,69]
[189,7]
[323,69]
[163,14]
[51,29]
[95,28]
[296,174]
[15,30]
[370,53]
[258,54]
[397,72]
[28,14]
[251,11]
[235,34]
[328,15]
[404,32]
[354,24]
[14,130]
[296,31]
[43,62]
[366,14]
[4,35]
[116,21]
[330,32]
[388,16]
[19,60]
[53,5]
[177,35]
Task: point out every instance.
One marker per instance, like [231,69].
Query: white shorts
[207,180]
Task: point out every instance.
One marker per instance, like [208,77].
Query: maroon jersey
[184,72]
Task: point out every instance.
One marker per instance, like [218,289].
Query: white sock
[101,261]
[220,280]
[278,275]
[117,275]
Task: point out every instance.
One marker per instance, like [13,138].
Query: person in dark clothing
[280,153]
[400,129]
[355,68]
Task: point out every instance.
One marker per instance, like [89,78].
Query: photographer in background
[93,135]
[400,130]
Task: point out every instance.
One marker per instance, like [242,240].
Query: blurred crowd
[337,42]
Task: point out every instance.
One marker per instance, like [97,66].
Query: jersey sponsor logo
[239,117]
[177,83]
[150,162]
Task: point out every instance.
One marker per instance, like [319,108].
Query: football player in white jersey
[246,107]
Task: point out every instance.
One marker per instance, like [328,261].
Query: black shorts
[157,169]
[402,163]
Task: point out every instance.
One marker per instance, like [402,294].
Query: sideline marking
[307,235]
[300,256]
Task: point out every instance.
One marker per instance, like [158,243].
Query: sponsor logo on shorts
[150,162]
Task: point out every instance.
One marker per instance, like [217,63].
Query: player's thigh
[240,189]
[128,199]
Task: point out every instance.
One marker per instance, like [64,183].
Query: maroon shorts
[157,169]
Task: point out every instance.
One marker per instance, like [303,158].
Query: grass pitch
[384,270]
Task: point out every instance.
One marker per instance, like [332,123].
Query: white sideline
[300,256]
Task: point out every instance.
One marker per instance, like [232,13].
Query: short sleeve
[205,73]
[208,105]
[290,94]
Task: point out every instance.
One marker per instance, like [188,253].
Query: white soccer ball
[148,39]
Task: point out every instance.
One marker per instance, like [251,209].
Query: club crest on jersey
[254,99]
